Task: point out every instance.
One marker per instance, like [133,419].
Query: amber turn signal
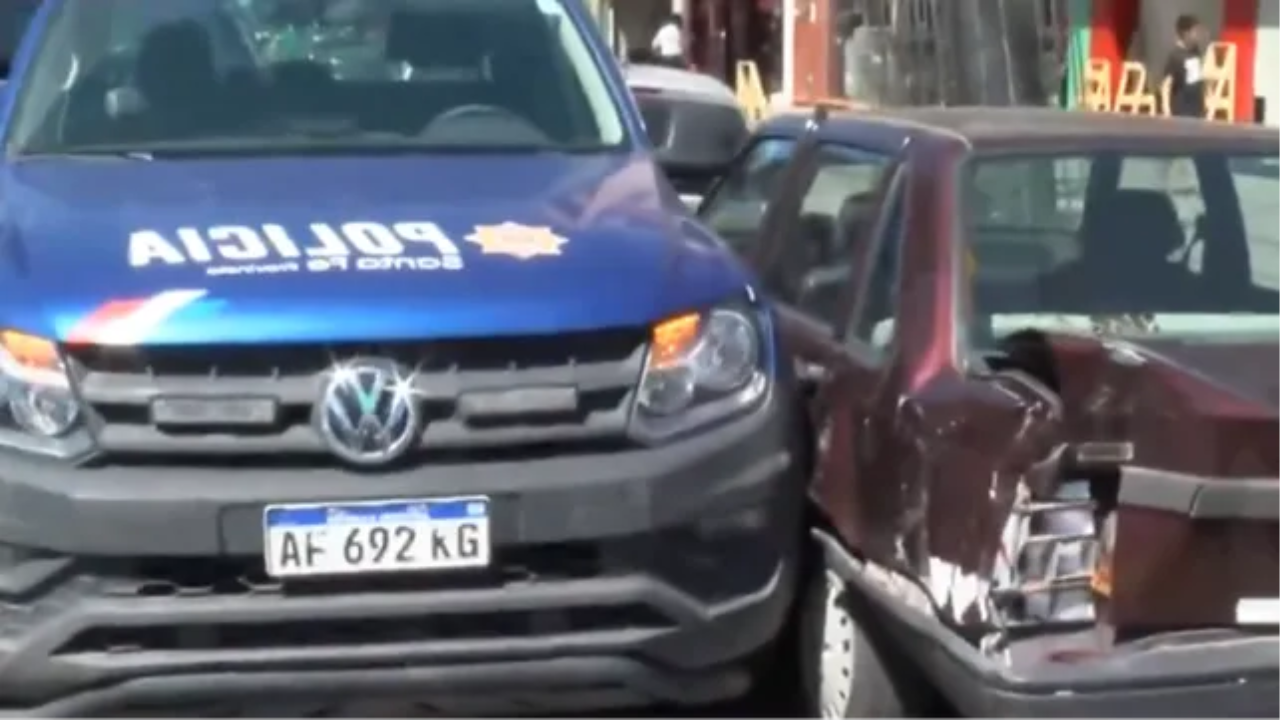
[1100,583]
[29,351]
[673,339]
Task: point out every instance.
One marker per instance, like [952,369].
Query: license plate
[385,536]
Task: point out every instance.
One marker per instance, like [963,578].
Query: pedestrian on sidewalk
[1182,90]
[668,42]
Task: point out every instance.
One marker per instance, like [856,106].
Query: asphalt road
[773,701]
[768,702]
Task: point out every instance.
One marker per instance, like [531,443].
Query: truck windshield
[1182,245]
[14,17]
[298,76]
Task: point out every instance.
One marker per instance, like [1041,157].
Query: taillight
[1100,583]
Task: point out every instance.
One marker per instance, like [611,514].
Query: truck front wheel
[844,673]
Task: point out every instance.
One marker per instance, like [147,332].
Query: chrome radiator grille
[121,385]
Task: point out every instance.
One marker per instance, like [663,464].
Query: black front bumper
[622,578]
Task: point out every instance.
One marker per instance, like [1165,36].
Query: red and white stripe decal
[129,322]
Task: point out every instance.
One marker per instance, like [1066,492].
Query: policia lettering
[244,249]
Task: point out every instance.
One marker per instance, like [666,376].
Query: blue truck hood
[233,250]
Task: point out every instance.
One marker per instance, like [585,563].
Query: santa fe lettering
[235,244]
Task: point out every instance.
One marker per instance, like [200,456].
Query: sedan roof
[996,126]
[684,82]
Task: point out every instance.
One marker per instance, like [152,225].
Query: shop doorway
[724,32]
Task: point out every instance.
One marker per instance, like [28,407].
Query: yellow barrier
[1132,96]
[1220,62]
[750,91]
[1097,86]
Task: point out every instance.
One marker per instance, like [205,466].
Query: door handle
[810,372]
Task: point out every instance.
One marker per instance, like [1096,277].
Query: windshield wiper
[229,144]
[345,132]
[93,155]
[336,139]
[321,137]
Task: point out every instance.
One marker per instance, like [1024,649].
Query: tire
[845,674]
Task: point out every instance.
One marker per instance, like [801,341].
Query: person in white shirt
[668,42]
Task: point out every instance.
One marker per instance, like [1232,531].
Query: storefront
[1266,63]
[723,32]
[925,52]
[808,54]
[621,25]
[1143,30]
[718,33]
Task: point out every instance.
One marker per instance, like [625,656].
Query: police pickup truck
[318,388]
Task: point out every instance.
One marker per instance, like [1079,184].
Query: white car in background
[694,121]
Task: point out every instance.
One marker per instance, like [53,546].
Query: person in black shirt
[1183,87]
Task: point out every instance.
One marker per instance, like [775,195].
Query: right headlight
[39,411]
[701,367]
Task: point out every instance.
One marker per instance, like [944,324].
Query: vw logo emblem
[368,414]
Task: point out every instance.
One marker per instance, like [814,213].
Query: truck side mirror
[693,141]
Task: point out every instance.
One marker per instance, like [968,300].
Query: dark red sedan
[1043,352]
